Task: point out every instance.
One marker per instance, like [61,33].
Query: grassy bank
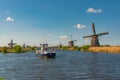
[112,49]
[16,49]
[83,48]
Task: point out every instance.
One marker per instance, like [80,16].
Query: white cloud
[63,37]
[92,10]
[10,19]
[80,26]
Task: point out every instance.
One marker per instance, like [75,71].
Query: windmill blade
[87,36]
[71,37]
[75,40]
[103,33]
[93,28]
[11,41]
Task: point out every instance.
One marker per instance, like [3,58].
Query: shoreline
[107,49]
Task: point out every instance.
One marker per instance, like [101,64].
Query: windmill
[94,36]
[71,42]
[24,45]
[60,44]
[11,44]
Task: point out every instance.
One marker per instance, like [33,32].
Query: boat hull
[48,55]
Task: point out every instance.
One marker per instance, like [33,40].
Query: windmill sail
[93,28]
[103,33]
[75,40]
[71,37]
[87,36]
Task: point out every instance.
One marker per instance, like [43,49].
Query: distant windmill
[24,45]
[60,44]
[95,40]
[71,42]
[11,44]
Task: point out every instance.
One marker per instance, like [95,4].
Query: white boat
[45,51]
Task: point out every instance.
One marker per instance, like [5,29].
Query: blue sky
[53,21]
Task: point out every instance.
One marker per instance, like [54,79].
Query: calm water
[68,65]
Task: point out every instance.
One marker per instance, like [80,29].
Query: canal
[68,65]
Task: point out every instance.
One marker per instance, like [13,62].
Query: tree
[76,48]
[4,49]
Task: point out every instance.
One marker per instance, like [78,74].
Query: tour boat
[45,51]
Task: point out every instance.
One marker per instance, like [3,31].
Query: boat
[45,51]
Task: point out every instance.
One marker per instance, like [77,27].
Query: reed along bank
[112,49]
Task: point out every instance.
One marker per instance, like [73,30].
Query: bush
[65,48]
[77,48]
[85,47]
[4,49]
[18,48]
[32,48]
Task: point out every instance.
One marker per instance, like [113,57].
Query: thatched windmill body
[71,42]
[94,36]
